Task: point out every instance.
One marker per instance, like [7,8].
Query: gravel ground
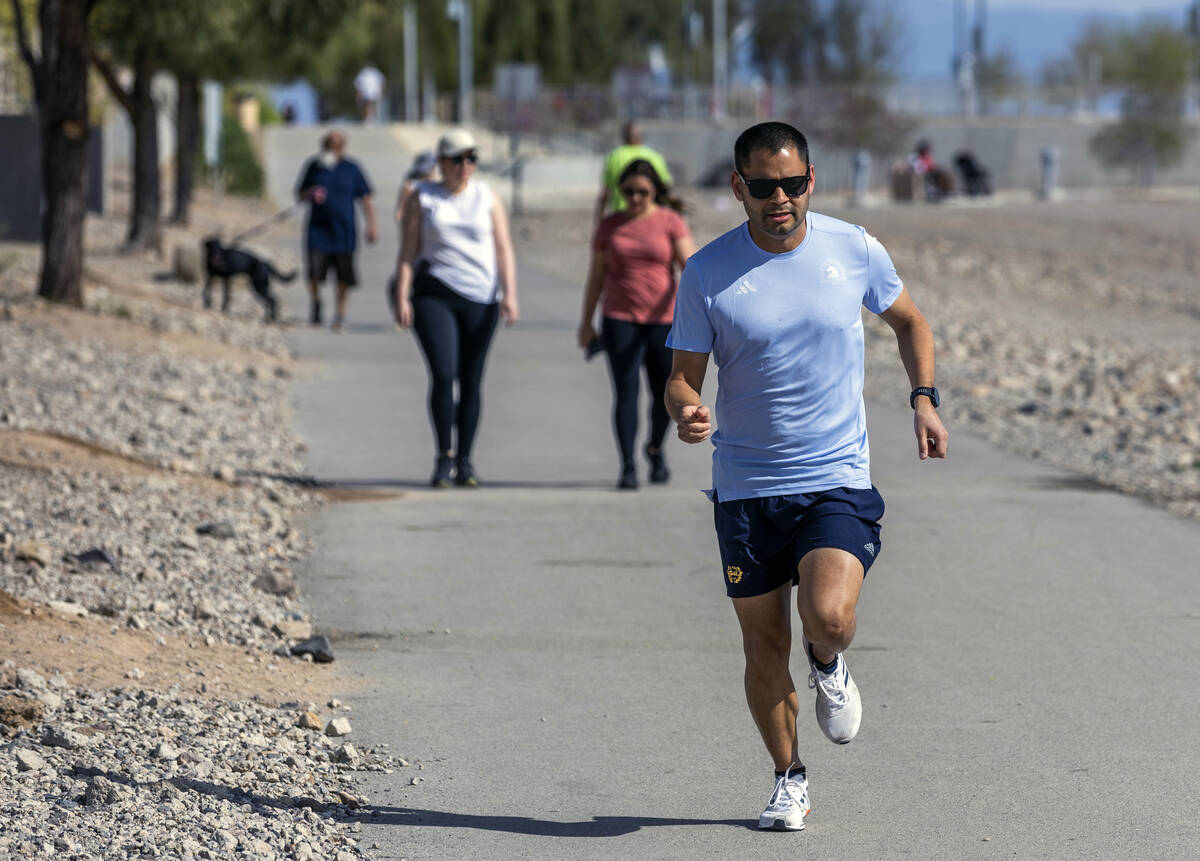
[1068,332]
[146,535]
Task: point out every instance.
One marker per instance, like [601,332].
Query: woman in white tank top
[455,278]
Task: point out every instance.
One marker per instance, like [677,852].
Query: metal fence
[589,106]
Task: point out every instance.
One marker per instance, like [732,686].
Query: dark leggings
[628,347]
[454,334]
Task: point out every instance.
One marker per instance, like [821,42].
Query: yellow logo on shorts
[734,574]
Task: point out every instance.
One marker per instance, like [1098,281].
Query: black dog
[225,261]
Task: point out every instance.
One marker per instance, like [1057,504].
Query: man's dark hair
[769,137]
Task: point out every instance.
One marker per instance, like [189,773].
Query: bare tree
[838,56]
[138,102]
[60,90]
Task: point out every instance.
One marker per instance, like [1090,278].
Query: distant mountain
[1032,34]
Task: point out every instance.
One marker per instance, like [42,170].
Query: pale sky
[1131,7]
[1032,31]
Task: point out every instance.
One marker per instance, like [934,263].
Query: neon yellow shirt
[619,159]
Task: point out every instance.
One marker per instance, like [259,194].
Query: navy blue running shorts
[763,539]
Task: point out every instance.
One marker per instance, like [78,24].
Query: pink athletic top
[639,280]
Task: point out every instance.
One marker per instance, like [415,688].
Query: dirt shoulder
[144,343]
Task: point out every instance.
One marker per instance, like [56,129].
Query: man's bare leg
[314,295]
[830,583]
[767,641]
[340,312]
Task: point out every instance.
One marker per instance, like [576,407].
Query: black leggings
[454,334]
[629,346]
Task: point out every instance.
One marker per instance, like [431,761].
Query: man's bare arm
[915,340]
[683,396]
[369,212]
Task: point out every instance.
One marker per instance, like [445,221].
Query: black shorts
[342,262]
[763,539]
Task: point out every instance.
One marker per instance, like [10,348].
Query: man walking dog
[330,184]
[778,303]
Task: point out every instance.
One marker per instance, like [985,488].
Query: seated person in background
[976,178]
[939,182]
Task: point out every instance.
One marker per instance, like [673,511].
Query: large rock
[38,552]
[187,263]
[346,754]
[293,629]
[318,647]
[68,608]
[20,713]
[58,736]
[219,529]
[27,760]
[95,555]
[276,582]
[101,790]
[30,680]
[309,720]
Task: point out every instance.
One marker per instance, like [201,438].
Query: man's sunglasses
[634,191]
[464,157]
[793,186]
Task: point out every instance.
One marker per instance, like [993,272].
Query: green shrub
[239,164]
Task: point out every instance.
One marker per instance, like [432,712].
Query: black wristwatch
[929,391]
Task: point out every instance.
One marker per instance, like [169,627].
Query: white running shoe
[839,707]
[788,805]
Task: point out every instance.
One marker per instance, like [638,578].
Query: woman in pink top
[635,254]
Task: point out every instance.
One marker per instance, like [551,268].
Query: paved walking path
[561,659]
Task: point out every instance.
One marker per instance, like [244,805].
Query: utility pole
[979,49]
[720,61]
[1193,66]
[460,11]
[410,61]
[977,34]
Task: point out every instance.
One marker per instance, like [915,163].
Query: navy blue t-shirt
[331,223]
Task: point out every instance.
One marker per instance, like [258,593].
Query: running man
[778,303]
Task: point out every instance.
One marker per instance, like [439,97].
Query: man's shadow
[597,826]
[375,814]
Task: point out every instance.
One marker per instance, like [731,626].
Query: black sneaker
[628,479]
[659,474]
[314,313]
[464,475]
[442,470]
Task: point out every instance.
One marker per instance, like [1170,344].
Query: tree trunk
[187,125]
[63,123]
[146,201]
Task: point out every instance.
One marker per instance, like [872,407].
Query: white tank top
[457,239]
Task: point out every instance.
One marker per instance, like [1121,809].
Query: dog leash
[282,215]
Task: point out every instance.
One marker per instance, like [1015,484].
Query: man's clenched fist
[695,423]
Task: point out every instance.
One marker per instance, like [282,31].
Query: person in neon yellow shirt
[620,158]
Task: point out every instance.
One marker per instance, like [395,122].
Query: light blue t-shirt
[786,333]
